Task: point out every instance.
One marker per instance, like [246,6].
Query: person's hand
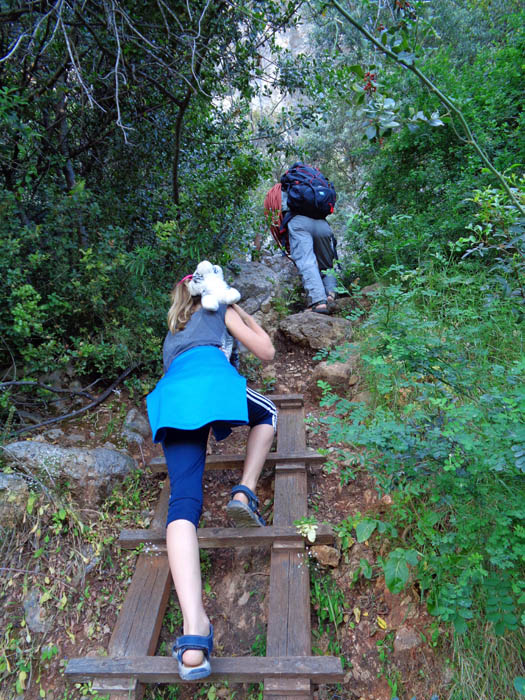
[247,331]
[242,313]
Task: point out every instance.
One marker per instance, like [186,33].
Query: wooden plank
[238,669]
[289,468]
[289,632]
[289,596]
[287,400]
[137,629]
[313,459]
[119,689]
[292,436]
[133,633]
[138,625]
[211,537]
[290,495]
[290,498]
[161,510]
[287,688]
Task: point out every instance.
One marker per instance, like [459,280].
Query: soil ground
[236,581]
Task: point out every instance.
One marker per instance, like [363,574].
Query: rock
[56,379]
[54,434]
[316,330]
[75,385]
[137,423]
[371,289]
[90,473]
[447,675]
[370,496]
[363,397]
[407,638]
[336,374]
[325,555]
[31,417]
[254,280]
[34,614]
[269,321]
[14,493]
[397,616]
[283,267]
[360,674]
[132,436]
[75,438]
[244,599]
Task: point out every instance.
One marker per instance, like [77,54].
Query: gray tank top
[203,328]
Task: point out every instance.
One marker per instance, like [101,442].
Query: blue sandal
[194,642]
[245,515]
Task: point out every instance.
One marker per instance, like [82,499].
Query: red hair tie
[185,279]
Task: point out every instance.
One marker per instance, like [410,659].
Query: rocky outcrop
[136,427]
[260,282]
[407,638]
[34,613]
[14,493]
[91,474]
[316,330]
[340,375]
[326,555]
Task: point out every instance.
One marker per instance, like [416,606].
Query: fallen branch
[48,388]
[78,412]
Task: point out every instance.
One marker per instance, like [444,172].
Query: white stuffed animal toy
[208,281]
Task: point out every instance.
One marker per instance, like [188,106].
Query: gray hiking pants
[312,250]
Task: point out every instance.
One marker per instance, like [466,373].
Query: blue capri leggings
[185,452]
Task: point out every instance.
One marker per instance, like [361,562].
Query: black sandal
[245,515]
[316,308]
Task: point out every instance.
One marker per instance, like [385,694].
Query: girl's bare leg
[259,442]
[183,555]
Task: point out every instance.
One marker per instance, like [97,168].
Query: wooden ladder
[289,670]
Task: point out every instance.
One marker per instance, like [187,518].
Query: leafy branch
[407,61]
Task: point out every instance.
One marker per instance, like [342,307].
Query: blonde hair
[182,307]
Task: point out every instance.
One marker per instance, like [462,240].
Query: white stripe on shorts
[266,403]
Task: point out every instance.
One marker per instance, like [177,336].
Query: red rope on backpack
[274,217]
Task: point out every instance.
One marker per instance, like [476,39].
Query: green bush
[445,361]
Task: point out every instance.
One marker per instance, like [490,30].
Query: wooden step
[212,537]
[288,632]
[287,400]
[237,669]
[312,459]
[140,618]
[279,688]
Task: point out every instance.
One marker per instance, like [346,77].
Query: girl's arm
[243,327]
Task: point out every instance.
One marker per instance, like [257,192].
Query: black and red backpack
[308,192]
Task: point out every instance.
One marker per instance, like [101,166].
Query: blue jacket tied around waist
[200,387]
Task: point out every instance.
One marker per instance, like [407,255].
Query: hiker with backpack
[297,208]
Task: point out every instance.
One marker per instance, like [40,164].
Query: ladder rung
[238,669]
[158,464]
[212,537]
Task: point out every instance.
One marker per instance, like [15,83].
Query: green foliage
[487,664]
[328,602]
[104,207]
[445,359]
[307,527]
